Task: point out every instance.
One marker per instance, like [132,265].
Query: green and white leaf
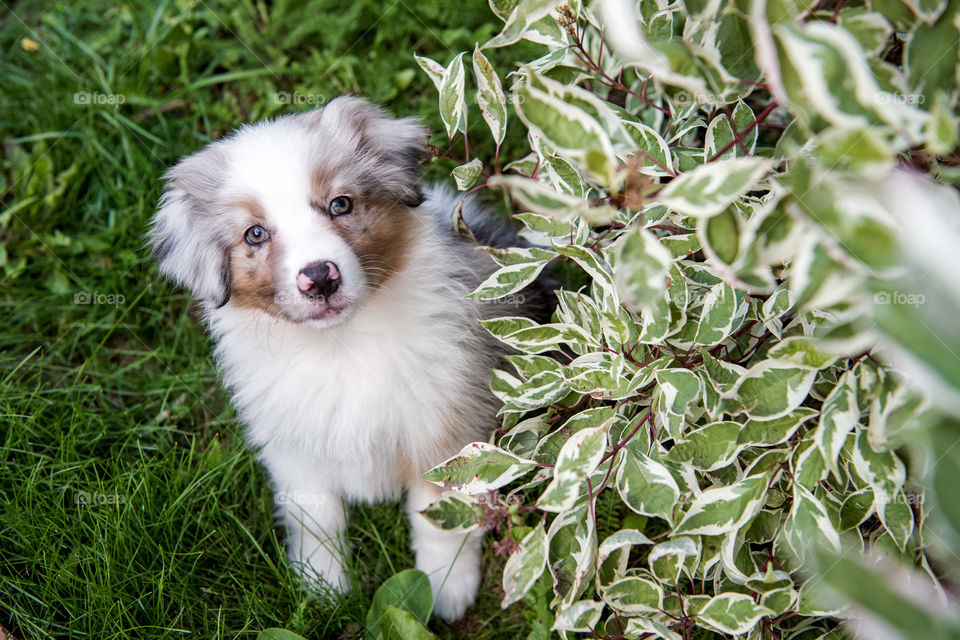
[734,613]
[839,416]
[578,458]
[711,188]
[466,174]
[719,510]
[647,486]
[455,512]
[478,468]
[453,101]
[525,566]
[490,97]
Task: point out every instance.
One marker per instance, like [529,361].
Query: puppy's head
[302,217]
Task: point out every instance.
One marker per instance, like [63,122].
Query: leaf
[944,477]
[478,468]
[678,388]
[508,280]
[454,512]
[717,316]
[520,255]
[840,414]
[646,486]
[596,267]
[931,54]
[719,510]
[549,448]
[640,268]
[856,508]
[525,566]
[734,613]
[432,68]
[870,29]
[743,118]
[801,352]
[854,149]
[523,16]
[708,448]
[826,74]
[453,102]
[711,188]
[643,627]
[278,634]
[809,522]
[493,104]
[620,539]
[633,595]
[772,389]
[398,624]
[579,616]
[573,553]
[885,474]
[466,174]
[409,591]
[534,338]
[653,147]
[578,458]
[543,199]
[668,558]
[770,432]
[573,121]
[902,602]
[943,131]
[720,136]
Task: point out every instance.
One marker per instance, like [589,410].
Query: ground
[129,505]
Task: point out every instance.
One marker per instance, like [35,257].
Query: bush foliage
[745,423]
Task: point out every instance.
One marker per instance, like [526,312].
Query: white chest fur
[373,399]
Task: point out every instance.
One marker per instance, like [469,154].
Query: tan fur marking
[252,268]
[379,231]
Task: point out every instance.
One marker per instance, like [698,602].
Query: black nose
[320,278]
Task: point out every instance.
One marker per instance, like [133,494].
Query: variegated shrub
[745,423]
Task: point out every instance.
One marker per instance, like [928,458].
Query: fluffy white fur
[357,407]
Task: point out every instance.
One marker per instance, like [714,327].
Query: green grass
[120,401]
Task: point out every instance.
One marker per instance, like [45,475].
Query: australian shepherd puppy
[334,289]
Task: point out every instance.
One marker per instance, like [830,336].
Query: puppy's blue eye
[341,205]
[255,235]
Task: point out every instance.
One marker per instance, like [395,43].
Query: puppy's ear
[393,149]
[184,236]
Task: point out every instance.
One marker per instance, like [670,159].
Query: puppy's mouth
[328,311]
[303,308]
[323,311]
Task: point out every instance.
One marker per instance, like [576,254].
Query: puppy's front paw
[453,593]
[320,568]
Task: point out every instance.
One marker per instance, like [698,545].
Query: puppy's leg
[314,517]
[451,560]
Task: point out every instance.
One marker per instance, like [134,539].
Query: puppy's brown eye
[341,205]
[256,235]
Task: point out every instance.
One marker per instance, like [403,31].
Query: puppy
[333,287]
